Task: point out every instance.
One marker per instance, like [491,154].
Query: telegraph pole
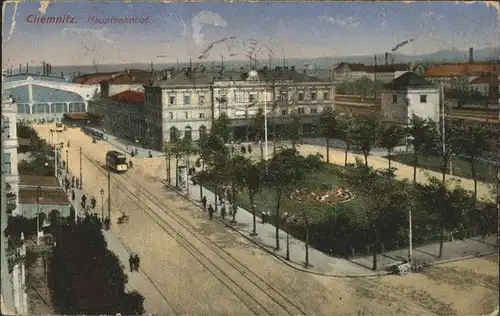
[81,177]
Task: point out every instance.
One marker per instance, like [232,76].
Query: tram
[116,161]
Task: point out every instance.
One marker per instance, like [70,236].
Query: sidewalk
[127,146]
[137,281]
[323,264]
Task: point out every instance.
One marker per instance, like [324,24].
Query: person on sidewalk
[72,195]
[77,183]
[73,181]
[210,212]
[223,212]
[84,200]
[263,217]
[131,262]
[204,203]
[93,202]
[131,164]
[137,263]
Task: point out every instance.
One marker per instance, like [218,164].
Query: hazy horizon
[189,30]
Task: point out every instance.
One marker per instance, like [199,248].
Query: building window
[187,99]
[313,111]
[301,111]
[284,112]
[326,95]
[186,115]
[394,98]
[171,100]
[284,96]
[7,168]
[314,96]
[251,98]
[6,126]
[240,98]
[301,96]
[423,98]
[171,115]
[201,115]
[201,99]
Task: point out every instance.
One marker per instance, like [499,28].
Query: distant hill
[311,63]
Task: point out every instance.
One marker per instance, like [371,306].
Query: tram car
[116,161]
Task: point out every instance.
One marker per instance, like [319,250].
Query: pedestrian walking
[130,164]
[73,181]
[223,212]
[131,263]
[150,154]
[84,200]
[77,183]
[204,203]
[210,212]
[137,262]
[72,195]
[249,149]
[93,202]
[132,153]
[263,217]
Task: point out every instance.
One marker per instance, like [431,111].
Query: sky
[269,29]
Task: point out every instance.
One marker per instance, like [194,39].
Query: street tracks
[252,290]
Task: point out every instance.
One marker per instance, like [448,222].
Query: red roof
[129,97]
[93,78]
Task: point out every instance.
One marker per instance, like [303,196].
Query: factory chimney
[151,66]
[27,68]
[386,58]
[471,55]
[20,70]
[44,69]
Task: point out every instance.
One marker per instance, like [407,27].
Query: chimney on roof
[43,63]
[386,58]
[471,55]
[152,67]
[20,70]
[27,68]
[49,69]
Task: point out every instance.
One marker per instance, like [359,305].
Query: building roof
[32,180]
[131,76]
[387,68]
[94,78]
[372,68]
[129,97]
[48,196]
[207,77]
[76,116]
[460,69]
[484,79]
[408,80]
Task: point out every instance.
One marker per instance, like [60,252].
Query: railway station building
[189,100]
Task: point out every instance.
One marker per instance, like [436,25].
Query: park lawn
[485,171]
[265,200]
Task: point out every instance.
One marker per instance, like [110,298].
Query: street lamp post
[38,193]
[67,162]
[102,205]
[265,125]
[81,176]
[287,241]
